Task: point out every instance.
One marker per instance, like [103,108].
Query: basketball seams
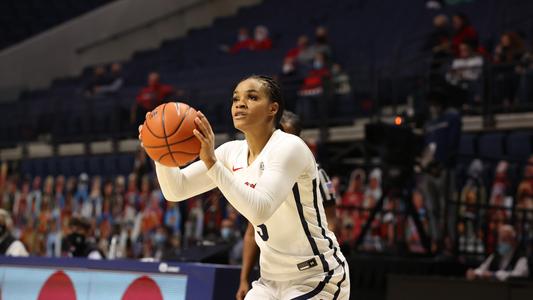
[182,119]
[171,144]
[177,152]
[165,133]
[155,135]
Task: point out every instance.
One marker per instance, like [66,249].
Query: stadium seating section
[21,19]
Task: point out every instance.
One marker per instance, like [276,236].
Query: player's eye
[253,97]
[235,99]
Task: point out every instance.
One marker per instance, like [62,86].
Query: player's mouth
[239,115]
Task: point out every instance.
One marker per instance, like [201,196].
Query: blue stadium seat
[125,164]
[467,145]
[491,145]
[519,146]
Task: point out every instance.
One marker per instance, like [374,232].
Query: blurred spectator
[98,79]
[313,86]
[82,193]
[507,262]
[473,198]
[11,194]
[113,82]
[525,70]
[473,194]
[108,200]
[262,41]
[53,240]
[507,55]
[441,32]
[212,216]
[464,33]
[354,194]
[166,244]
[9,245]
[341,80]
[499,195]
[173,217]
[373,192]
[77,244]
[303,53]
[434,4]
[437,183]
[35,197]
[92,207]
[322,42]
[194,223]
[412,235]
[524,195]
[244,42]
[150,97]
[510,49]
[142,165]
[466,73]
[440,46]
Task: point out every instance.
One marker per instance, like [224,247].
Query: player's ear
[274,108]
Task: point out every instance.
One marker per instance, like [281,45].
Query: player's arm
[250,254]
[180,184]
[257,203]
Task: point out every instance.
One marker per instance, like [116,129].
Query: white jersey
[277,193]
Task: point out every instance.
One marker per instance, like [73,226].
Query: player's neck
[256,141]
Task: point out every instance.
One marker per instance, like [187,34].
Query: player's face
[251,106]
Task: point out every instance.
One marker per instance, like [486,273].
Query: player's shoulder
[288,140]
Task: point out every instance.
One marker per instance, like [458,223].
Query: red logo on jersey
[252,185]
[235,169]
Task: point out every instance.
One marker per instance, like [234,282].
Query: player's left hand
[204,133]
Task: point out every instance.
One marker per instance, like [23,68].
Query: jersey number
[263,233]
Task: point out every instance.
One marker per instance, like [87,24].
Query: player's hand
[204,133]
[244,287]
[140,128]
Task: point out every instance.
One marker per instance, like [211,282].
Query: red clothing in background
[265,44]
[151,96]
[468,34]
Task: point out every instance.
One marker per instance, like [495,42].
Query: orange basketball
[167,134]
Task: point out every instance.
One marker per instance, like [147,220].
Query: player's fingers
[146,116]
[140,128]
[206,121]
[199,136]
[202,126]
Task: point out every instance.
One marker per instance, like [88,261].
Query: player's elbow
[262,214]
[171,195]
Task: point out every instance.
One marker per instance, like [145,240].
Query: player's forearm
[250,254]
[175,184]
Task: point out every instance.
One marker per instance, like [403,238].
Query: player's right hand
[244,287]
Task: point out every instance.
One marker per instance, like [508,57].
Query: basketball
[167,134]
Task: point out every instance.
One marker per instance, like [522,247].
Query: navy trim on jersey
[323,194]
[299,207]
[340,282]
[317,290]
[315,203]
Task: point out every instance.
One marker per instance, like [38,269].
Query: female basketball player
[271,179]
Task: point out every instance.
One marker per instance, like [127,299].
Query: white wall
[35,62]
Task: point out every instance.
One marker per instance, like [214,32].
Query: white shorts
[334,285]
